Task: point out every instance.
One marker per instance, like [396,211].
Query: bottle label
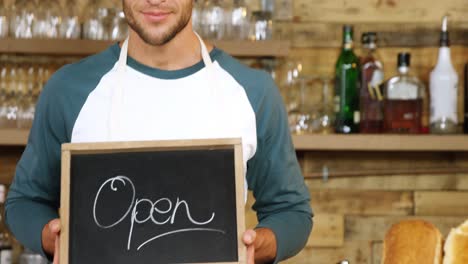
[377,78]
[357,117]
[443,100]
[403,91]
[6,256]
[337,101]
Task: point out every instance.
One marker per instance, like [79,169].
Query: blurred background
[375,92]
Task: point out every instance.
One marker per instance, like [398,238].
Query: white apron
[115,125]
[211,122]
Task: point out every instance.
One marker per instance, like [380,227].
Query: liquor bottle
[403,100]
[444,89]
[372,77]
[5,238]
[347,87]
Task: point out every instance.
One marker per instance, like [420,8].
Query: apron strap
[204,52]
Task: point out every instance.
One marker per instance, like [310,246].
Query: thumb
[57,250]
[249,237]
[54,226]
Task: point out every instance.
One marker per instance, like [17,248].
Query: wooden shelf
[455,143]
[13,137]
[84,47]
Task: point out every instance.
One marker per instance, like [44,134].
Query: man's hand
[50,239]
[261,245]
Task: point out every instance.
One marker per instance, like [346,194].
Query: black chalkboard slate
[159,202]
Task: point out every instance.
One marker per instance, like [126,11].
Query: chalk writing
[162,206]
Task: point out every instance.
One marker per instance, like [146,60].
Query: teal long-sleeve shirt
[74,105]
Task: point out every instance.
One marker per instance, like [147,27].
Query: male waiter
[164,83]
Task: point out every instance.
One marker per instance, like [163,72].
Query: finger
[249,237]
[54,226]
[251,254]
[57,250]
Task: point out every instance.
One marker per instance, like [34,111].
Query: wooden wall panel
[328,231]
[358,252]
[356,202]
[328,228]
[395,11]
[381,162]
[9,156]
[329,35]
[441,203]
[358,228]
[394,182]
[377,247]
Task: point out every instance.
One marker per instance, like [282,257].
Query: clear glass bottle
[197,15]
[3,91]
[27,81]
[300,117]
[119,27]
[97,21]
[372,77]
[261,26]
[239,18]
[47,19]
[327,116]
[288,73]
[9,109]
[444,89]
[70,28]
[3,20]
[404,95]
[214,19]
[6,243]
[22,19]
[347,87]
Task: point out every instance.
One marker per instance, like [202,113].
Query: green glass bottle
[347,87]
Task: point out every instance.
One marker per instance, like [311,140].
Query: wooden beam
[353,251]
[328,231]
[329,35]
[360,228]
[441,203]
[381,142]
[13,137]
[354,202]
[379,11]
[394,182]
[83,47]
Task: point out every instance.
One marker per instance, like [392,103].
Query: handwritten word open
[155,207]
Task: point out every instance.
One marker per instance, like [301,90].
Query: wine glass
[22,18]
[97,21]
[239,21]
[70,28]
[119,28]
[213,19]
[197,15]
[47,19]
[3,20]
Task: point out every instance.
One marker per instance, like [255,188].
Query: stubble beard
[164,37]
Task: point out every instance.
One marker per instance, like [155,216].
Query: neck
[182,51]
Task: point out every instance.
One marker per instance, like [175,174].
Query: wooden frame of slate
[202,223]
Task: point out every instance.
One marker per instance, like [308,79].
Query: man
[163,90]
